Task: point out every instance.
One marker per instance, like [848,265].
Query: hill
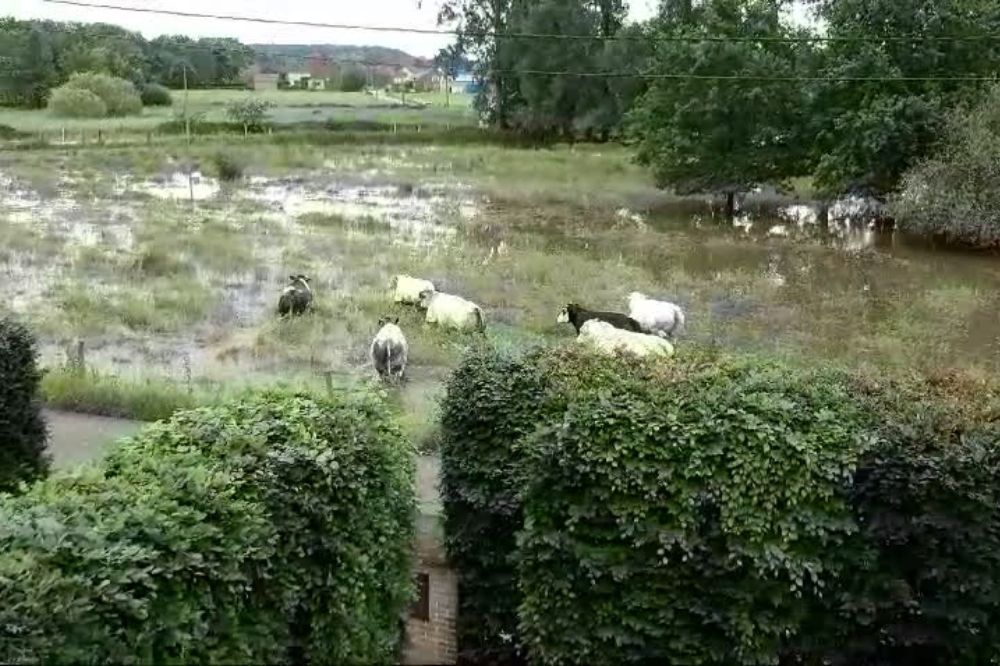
[291,57]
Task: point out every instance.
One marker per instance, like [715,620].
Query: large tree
[869,133]
[700,130]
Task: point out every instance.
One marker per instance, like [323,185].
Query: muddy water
[777,279]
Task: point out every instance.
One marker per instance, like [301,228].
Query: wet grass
[92,392]
[547,231]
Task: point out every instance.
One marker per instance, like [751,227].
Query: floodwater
[775,278]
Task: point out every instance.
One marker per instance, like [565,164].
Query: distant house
[316,84]
[466,82]
[265,81]
[298,79]
[403,76]
[429,80]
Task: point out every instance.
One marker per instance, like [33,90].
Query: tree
[249,112]
[869,133]
[955,194]
[716,135]
[482,27]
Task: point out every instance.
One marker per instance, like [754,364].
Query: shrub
[687,516]
[22,429]
[153,94]
[76,103]
[955,195]
[229,166]
[275,528]
[353,80]
[249,112]
[493,401]
[926,501]
[720,511]
[119,96]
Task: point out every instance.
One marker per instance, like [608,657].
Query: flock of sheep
[645,330]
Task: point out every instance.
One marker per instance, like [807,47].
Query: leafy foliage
[153,94]
[249,112]
[690,513]
[712,135]
[229,166]
[868,133]
[955,194]
[67,102]
[353,80]
[720,511]
[22,430]
[275,528]
[120,97]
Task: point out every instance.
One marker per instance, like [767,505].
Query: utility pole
[187,120]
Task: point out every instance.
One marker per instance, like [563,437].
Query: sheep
[296,298]
[389,350]
[451,311]
[608,339]
[406,289]
[656,317]
[578,315]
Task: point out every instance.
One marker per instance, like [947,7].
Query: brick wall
[430,627]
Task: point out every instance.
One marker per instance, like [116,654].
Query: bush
[249,112]
[275,528]
[720,511]
[687,519]
[493,401]
[22,429]
[119,96]
[153,94]
[955,195]
[353,80]
[229,166]
[76,103]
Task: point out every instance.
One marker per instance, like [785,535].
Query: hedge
[720,511]
[493,400]
[23,433]
[120,97]
[76,103]
[274,528]
[153,94]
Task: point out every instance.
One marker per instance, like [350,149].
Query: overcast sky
[357,12]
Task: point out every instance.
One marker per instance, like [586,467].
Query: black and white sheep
[297,296]
[577,315]
[389,350]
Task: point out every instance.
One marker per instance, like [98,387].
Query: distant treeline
[37,56]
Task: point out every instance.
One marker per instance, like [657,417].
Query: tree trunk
[730,206]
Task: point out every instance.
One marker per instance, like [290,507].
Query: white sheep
[656,317]
[608,339]
[406,289]
[451,311]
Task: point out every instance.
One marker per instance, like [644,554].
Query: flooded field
[163,270]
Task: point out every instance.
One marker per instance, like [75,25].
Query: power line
[533,35]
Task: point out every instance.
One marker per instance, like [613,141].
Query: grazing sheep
[451,311]
[578,315]
[656,317]
[296,298]
[608,339]
[406,289]
[389,350]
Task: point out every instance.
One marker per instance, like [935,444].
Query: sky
[407,13]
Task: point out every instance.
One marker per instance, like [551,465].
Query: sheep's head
[636,296]
[563,317]
[394,282]
[388,320]
[425,298]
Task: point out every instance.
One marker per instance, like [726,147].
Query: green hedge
[720,511]
[274,528]
[22,430]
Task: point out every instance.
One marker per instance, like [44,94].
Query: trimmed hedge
[275,528]
[23,434]
[720,511]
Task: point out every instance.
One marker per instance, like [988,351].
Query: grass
[92,392]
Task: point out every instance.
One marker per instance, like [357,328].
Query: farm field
[290,107]
[176,282]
